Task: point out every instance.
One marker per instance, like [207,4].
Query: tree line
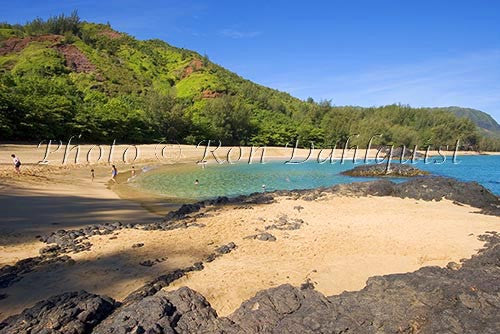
[149,91]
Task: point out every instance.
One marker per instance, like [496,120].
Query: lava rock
[394,170]
[179,311]
[226,248]
[154,286]
[437,188]
[147,263]
[11,274]
[71,312]
[284,223]
[264,236]
[298,208]
[184,210]
[463,299]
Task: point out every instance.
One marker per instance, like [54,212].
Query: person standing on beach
[17,163]
[114,173]
[92,174]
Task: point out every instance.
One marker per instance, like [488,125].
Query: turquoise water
[482,169]
[238,179]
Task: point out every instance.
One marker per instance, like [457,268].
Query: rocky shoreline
[459,298]
[407,304]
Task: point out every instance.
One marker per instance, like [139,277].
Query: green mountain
[63,77]
[484,121]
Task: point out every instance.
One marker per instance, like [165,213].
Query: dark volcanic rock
[425,188]
[147,263]
[244,200]
[395,170]
[50,250]
[428,188]
[184,210]
[284,309]
[430,300]
[436,188]
[457,299]
[11,274]
[162,281]
[226,248]
[150,263]
[264,236]
[179,311]
[298,208]
[461,298]
[71,312]
[255,198]
[154,286]
[284,223]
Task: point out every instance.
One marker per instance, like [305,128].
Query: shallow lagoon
[242,178]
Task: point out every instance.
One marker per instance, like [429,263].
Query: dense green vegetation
[65,77]
[487,124]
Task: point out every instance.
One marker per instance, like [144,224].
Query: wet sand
[58,198]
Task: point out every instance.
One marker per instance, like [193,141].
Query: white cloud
[468,80]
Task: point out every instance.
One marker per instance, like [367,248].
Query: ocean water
[241,178]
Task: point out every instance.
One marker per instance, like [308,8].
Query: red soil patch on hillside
[194,65]
[111,34]
[16,44]
[75,59]
[210,94]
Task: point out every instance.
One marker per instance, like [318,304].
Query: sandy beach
[336,243]
[58,194]
[339,170]
[57,198]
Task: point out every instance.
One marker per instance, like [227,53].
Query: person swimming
[196,182]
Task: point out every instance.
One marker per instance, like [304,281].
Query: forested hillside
[65,77]
[487,124]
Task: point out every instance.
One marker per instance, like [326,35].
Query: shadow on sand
[113,274]
[27,213]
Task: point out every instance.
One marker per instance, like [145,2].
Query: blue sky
[422,53]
